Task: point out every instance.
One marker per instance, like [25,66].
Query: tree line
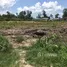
[44,15]
[23,15]
[27,15]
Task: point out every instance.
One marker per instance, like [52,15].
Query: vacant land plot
[34,44]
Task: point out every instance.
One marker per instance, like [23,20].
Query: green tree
[39,15]
[1,18]
[65,13]
[28,15]
[57,15]
[9,16]
[22,15]
[44,14]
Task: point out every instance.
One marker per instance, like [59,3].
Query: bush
[19,39]
[4,44]
[47,52]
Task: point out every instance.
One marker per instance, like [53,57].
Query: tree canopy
[44,14]
[57,15]
[23,15]
[27,15]
[65,13]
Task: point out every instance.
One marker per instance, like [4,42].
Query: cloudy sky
[36,6]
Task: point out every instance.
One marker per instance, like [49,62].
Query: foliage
[57,15]
[8,56]
[19,39]
[48,52]
[7,17]
[4,44]
[23,15]
[44,14]
[39,15]
[28,16]
[65,13]
[9,59]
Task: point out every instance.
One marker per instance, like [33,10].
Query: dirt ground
[29,38]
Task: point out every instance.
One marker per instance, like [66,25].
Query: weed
[48,52]
[9,59]
[19,39]
[4,44]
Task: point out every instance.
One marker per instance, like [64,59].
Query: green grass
[29,24]
[51,51]
[47,52]
[8,56]
[4,44]
[9,59]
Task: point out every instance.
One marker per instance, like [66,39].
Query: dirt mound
[12,32]
[31,32]
[36,32]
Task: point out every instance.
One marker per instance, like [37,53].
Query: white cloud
[6,3]
[50,8]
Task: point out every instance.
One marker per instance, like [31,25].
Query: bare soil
[29,38]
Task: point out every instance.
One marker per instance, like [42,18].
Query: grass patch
[19,39]
[4,44]
[9,59]
[8,56]
[49,52]
[31,24]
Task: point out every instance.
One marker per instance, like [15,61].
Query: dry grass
[17,26]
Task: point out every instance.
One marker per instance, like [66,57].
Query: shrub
[19,39]
[47,52]
[4,44]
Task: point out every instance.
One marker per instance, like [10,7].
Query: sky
[36,6]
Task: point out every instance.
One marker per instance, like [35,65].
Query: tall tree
[10,16]
[65,13]
[22,15]
[39,15]
[28,15]
[1,17]
[57,15]
[44,14]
